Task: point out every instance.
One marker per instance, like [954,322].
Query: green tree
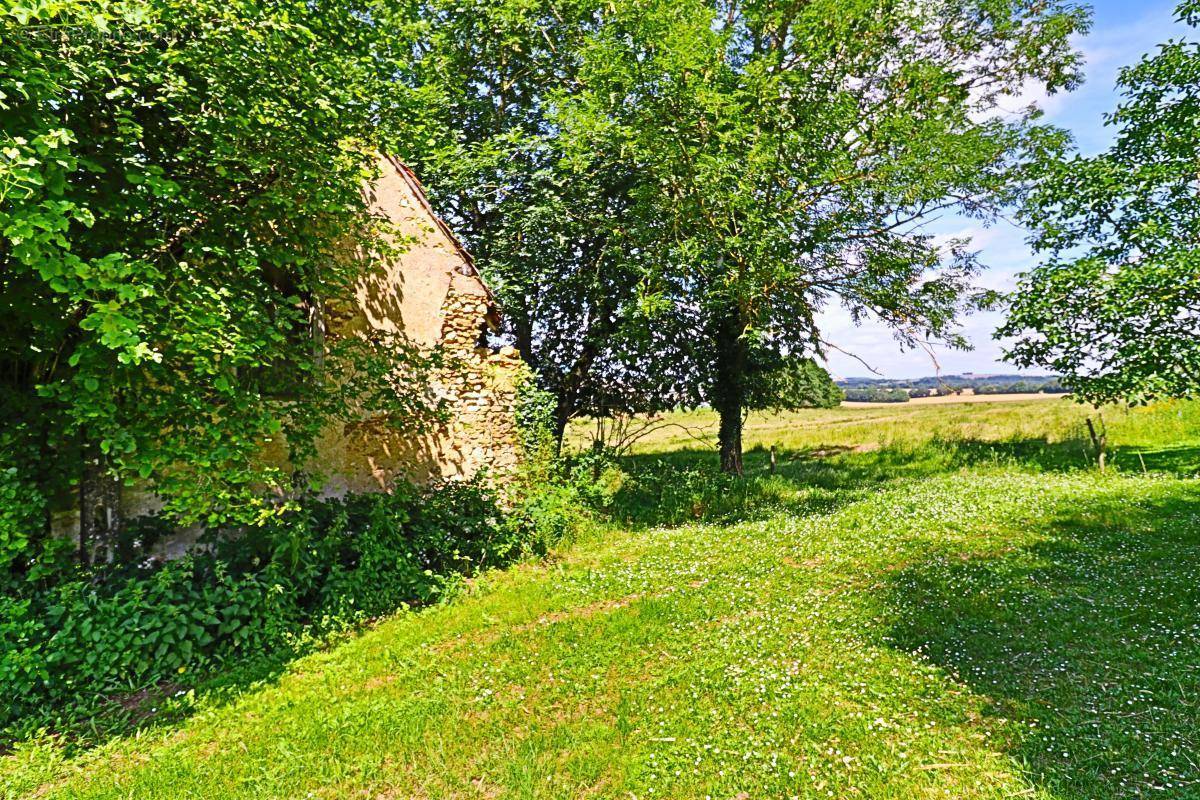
[180,186]
[781,382]
[553,222]
[548,227]
[1115,307]
[786,156]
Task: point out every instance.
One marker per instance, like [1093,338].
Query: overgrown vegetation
[99,645]
[885,603]
[89,650]
[1115,305]
[179,216]
[669,192]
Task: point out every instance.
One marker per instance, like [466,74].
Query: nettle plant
[181,207]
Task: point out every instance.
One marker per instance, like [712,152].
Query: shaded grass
[828,457]
[929,617]
[1090,635]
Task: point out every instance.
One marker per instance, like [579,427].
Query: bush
[311,570]
[549,497]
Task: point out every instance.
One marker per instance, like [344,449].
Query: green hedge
[874,395]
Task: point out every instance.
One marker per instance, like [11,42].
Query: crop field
[920,601]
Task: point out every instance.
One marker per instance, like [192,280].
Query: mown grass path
[987,631]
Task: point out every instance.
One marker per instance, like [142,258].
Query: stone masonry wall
[480,387]
[477,388]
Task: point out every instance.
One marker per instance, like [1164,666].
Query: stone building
[433,295]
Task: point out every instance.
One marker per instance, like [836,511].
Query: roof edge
[414,183]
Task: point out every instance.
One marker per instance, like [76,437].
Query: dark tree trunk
[523,340]
[99,509]
[729,393]
[562,416]
[729,440]
[571,392]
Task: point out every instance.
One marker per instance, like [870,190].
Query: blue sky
[1121,33]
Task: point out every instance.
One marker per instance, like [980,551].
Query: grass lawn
[941,601]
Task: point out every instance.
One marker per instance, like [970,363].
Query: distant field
[1053,423]
[922,601]
[965,398]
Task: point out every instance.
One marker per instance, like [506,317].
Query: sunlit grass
[926,602]
[1054,421]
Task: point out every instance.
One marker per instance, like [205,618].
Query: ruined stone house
[433,295]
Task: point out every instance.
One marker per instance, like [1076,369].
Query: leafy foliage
[535,414]
[877,395]
[180,182]
[551,230]
[22,511]
[277,587]
[787,156]
[779,383]
[669,192]
[1115,308]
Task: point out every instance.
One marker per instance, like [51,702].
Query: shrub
[550,494]
[311,570]
[534,409]
[71,641]
[24,547]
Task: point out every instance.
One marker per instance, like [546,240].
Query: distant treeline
[884,390]
[877,395]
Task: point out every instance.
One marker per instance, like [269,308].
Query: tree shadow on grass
[1181,461]
[1088,639]
[686,486]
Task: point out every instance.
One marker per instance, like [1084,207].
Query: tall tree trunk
[729,393]
[729,440]
[570,391]
[562,416]
[99,509]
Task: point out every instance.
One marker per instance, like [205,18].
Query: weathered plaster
[432,293]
